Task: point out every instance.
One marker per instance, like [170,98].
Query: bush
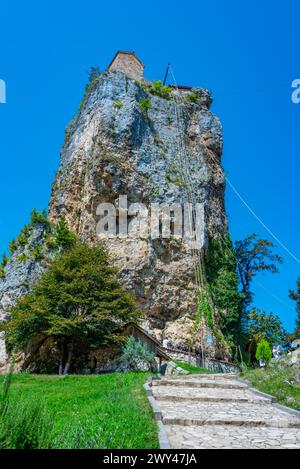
[64,238]
[39,218]
[13,246]
[263,351]
[192,98]
[93,73]
[2,265]
[118,104]
[36,253]
[160,90]
[134,352]
[145,105]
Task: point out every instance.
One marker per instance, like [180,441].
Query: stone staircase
[219,411]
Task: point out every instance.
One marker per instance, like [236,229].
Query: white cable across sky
[257,218]
[261,222]
[248,206]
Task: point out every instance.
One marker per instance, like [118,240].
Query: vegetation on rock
[192,98]
[93,75]
[159,89]
[2,265]
[145,105]
[118,104]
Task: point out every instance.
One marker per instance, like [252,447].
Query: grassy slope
[107,411]
[192,368]
[274,381]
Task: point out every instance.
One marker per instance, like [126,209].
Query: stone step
[231,437]
[244,400]
[201,383]
[172,393]
[233,413]
[211,376]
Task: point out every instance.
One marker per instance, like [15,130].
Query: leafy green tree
[295,295]
[263,351]
[261,325]
[64,237]
[254,256]
[221,275]
[78,302]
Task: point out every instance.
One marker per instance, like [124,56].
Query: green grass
[273,380]
[192,368]
[99,411]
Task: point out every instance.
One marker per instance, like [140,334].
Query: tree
[295,295]
[221,276]
[64,237]
[93,74]
[261,325]
[263,351]
[78,302]
[254,256]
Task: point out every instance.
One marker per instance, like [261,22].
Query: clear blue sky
[247,54]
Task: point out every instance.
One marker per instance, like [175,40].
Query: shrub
[22,257]
[93,73]
[67,136]
[263,351]
[158,89]
[145,105]
[13,246]
[118,104]
[39,218]
[134,351]
[63,237]
[192,98]
[37,253]
[2,265]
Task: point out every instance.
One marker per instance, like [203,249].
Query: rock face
[127,140]
[117,145]
[22,270]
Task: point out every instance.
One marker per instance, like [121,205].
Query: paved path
[218,411]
